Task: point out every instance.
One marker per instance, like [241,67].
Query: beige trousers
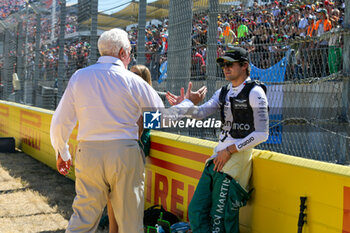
[113,169]
[239,166]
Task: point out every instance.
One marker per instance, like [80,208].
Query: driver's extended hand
[196,97]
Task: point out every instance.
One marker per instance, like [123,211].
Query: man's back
[108,100]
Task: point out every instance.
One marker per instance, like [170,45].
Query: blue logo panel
[151,120]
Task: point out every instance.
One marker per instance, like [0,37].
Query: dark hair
[241,63]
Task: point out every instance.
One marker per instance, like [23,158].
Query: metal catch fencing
[302,57]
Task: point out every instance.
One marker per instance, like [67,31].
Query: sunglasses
[226,64]
[137,73]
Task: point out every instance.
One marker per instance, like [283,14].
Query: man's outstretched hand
[63,166]
[195,97]
[174,99]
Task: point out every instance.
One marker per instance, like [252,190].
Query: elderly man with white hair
[107,100]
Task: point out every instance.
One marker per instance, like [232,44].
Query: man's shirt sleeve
[206,109]
[63,122]
[258,102]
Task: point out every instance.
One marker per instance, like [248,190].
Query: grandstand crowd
[9,7]
[267,31]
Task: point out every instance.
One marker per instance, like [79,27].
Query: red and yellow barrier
[176,163]
[173,170]
[31,128]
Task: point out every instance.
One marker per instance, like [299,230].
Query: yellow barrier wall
[31,128]
[175,165]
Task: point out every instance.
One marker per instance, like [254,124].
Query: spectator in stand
[269,23]
[322,26]
[203,52]
[335,14]
[242,30]
[234,23]
[251,25]
[335,50]
[219,32]
[229,35]
[195,35]
[307,51]
[303,23]
[329,6]
[198,63]
[164,47]
[311,26]
[149,36]
[260,50]
[202,34]
[276,10]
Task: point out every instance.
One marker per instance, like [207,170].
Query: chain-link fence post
[61,66]
[93,35]
[346,63]
[343,144]
[6,63]
[53,19]
[2,70]
[27,70]
[37,58]
[179,49]
[20,62]
[84,10]
[141,32]
[211,50]
[6,83]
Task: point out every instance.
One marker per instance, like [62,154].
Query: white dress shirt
[107,100]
